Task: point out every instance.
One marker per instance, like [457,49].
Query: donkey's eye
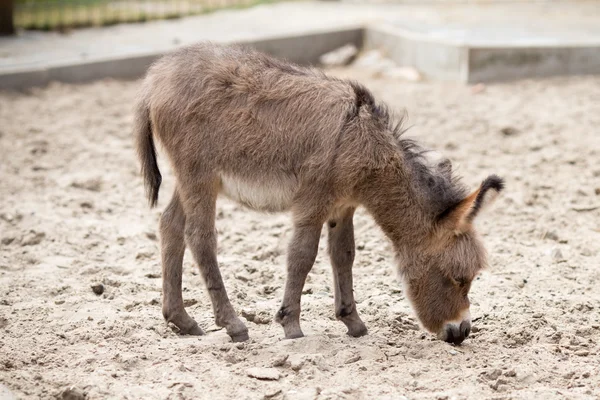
[461,282]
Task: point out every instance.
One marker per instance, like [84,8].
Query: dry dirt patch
[73,216]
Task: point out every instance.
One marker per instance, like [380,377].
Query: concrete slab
[459,42]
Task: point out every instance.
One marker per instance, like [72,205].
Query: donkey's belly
[271,194]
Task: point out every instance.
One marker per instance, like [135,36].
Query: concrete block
[502,64]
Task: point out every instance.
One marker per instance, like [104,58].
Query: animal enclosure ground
[73,215]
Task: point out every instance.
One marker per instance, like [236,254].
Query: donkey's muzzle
[456,334]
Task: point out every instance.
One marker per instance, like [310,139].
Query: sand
[73,215]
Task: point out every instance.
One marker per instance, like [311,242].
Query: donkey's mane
[437,184]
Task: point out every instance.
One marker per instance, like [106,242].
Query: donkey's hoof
[357,331]
[296,335]
[240,337]
[237,331]
[193,330]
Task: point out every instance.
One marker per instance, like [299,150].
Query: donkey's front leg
[301,257]
[341,253]
[201,237]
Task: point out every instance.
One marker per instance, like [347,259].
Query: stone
[302,394]
[557,255]
[72,393]
[279,360]
[352,359]
[98,288]
[32,238]
[405,73]
[509,131]
[266,374]
[339,57]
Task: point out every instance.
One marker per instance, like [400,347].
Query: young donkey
[274,136]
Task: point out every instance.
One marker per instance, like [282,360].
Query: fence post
[7,26]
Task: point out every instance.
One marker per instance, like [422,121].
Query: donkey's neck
[396,207]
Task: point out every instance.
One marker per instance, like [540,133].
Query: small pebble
[509,131]
[279,360]
[551,235]
[32,238]
[267,374]
[272,393]
[151,235]
[478,88]
[557,255]
[352,359]
[98,288]
[8,240]
[72,393]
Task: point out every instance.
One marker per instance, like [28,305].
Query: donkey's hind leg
[201,237]
[341,253]
[172,224]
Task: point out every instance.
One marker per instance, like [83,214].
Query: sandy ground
[73,215]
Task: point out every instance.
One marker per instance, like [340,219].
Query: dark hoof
[240,337]
[296,335]
[358,332]
[193,330]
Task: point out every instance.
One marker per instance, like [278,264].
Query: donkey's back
[257,125]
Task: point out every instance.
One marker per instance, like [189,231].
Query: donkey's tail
[144,143]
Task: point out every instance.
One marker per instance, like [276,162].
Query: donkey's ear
[459,217]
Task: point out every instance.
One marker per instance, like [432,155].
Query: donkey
[276,137]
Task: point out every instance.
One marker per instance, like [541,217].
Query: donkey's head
[438,273]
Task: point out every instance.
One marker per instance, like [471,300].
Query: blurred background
[68,14]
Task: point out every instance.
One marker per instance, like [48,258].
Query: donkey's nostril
[449,335]
[456,334]
[465,328]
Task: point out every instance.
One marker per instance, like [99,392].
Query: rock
[405,73]
[493,374]
[302,394]
[151,235]
[510,373]
[72,393]
[557,255]
[352,359]
[93,185]
[586,252]
[98,288]
[272,393]
[550,235]
[597,191]
[279,360]
[296,363]
[32,238]
[248,314]
[479,88]
[8,240]
[144,255]
[509,131]
[582,353]
[339,57]
[267,374]
[263,317]
[242,276]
